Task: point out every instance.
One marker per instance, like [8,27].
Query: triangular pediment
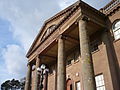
[71,13]
[49,25]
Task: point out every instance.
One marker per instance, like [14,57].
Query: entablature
[81,9]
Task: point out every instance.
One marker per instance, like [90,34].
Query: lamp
[42,71]
[43,66]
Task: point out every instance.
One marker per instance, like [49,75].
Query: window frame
[100,81]
[94,46]
[116,36]
[76,85]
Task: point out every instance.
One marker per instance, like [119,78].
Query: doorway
[69,84]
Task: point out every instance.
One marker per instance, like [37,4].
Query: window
[94,46]
[100,85]
[51,69]
[116,30]
[69,59]
[78,85]
[76,55]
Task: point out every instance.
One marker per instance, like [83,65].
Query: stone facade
[77,45]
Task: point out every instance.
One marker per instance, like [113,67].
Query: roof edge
[110,7]
[55,16]
[47,21]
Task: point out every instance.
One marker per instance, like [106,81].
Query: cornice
[113,10]
[111,7]
[50,19]
[62,12]
[57,26]
[71,9]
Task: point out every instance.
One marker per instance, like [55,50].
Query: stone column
[28,77]
[86,62]
[37,76]
[61,66]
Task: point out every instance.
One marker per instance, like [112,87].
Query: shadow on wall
[108,40]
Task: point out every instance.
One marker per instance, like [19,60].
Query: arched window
[116,29]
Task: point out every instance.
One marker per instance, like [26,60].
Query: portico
[52,48]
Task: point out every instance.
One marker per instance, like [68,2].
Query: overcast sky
[20,21]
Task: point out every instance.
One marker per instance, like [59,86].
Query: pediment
[48,27]
[59,19]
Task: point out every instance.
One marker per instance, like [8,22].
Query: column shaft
[28,78]
[61,72]
[37,77]
[86,62]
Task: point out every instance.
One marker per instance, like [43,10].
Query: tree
[22,83]
[10,85]
[13,84]
[6,85]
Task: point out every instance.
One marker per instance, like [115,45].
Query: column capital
[29,63]
[61,36]
[39,56]
[83,17]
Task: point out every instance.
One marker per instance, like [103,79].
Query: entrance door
[69,84]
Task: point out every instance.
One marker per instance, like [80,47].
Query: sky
[20,22]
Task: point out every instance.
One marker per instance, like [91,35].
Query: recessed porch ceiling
[49,56]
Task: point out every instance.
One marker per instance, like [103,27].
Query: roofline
[109,3]
[61,12]
[110,7]
[47,21]
[57,15]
